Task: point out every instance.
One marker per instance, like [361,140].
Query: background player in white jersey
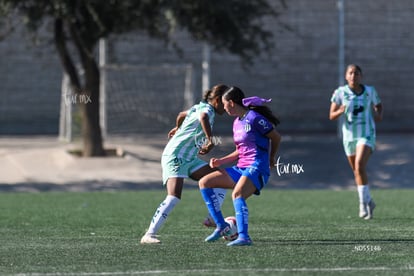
[191,136]
[361,108]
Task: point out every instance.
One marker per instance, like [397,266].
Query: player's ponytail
[266,112]
[206,95]
[236,95]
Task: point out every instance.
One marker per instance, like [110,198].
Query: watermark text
[288,168]
[367,248]
[76,98]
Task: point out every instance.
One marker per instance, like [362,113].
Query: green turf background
[294,232]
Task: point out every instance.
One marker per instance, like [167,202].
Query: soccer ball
[233,229]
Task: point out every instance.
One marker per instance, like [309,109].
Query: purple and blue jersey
[249,135]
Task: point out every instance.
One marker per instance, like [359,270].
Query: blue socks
[213,206]
[242,217]
[240,207]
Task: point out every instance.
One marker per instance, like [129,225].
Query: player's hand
[206,148]
[172,132]
[342,109]
[272,163]
[377,115]
[214,162]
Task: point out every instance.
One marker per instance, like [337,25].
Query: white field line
[215,271]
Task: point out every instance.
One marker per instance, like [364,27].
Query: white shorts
[173,166]
[350,146]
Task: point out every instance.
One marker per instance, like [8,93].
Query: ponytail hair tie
[255,101]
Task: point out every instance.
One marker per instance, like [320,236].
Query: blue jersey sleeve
[262,125]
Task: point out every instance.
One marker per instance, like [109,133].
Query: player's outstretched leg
[213,206]
[220,195]
[242,216]
[161,214]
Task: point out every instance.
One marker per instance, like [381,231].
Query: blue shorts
[259,179]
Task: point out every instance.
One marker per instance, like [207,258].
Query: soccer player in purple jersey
[256,141]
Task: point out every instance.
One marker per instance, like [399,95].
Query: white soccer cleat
[363,210]
[149,239]
[370,210]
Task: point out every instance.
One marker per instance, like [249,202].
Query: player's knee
[204,182]
[359,169]
[201,183]
[236,194]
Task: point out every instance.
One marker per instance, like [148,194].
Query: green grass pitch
[294,232]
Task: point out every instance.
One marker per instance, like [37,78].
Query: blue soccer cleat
[240,242]
[218,233]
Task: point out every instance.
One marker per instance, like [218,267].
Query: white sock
[364,194]
[162,213]
[220,195]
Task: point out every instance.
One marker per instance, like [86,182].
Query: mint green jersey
[358,121]
[189,138]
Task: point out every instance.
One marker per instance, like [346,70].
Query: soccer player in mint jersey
[361,108]
[256,143]
[191,136]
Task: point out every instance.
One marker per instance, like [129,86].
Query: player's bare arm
[378,112]
[217,162]
[180,119]
[205,125]
[275,139]
[336,111]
